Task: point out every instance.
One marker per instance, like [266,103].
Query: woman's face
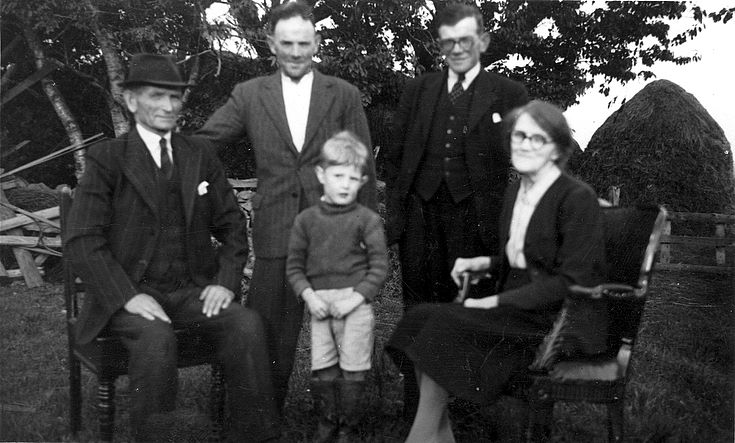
[531,148]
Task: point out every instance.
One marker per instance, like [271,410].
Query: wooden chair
[631,240]
[107,358]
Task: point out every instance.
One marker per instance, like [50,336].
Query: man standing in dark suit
[446,168]
[287,117]
[139,235]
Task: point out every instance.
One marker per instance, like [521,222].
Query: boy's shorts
[347,341]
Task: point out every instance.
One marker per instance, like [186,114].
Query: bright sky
[710,80]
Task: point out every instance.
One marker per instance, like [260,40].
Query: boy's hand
[316,305]
[348,304]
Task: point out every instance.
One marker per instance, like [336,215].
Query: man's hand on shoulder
[147,307]
[215,298]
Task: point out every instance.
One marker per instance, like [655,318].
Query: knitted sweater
[333,246]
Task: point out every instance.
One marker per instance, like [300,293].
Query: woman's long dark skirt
[472,353]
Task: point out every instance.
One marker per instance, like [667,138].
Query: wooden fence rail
[720,242]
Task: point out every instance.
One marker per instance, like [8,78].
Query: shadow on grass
[681,387]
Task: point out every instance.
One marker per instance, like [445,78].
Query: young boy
[337,262]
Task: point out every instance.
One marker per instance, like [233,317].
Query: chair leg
[615,420]
[378,367]
[106,407]
[217,402]
[75,394]
[540,413]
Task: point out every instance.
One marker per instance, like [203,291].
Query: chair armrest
[615,291]
[548,352]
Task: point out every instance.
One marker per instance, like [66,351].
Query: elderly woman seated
[551,237]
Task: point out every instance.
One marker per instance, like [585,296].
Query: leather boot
[325,406]
[350,400]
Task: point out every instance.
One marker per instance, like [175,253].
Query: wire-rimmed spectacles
[537,141]
[447,44]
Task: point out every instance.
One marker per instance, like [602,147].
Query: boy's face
[341,183]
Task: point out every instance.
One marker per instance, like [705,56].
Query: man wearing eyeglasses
[446,168]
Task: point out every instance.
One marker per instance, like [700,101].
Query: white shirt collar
[523,209]
[297,99]
[532,195]
[304,82]
[469,76]
[152,140]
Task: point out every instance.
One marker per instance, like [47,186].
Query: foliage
[561,45]
[67,32]
[555,48]
[661,147]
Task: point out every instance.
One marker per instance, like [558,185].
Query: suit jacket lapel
[271,97]
[432,88]
[483,97]
[322,98]
[188,161]
[137,168]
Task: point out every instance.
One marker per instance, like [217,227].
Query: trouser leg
[240,339]
[272,297]
[151,368]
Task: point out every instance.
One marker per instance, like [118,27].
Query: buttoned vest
[444,159]
[168,268]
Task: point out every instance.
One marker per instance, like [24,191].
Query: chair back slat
[627,232]
[632,236]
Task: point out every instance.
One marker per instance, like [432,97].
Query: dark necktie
[165,160]
[457,89]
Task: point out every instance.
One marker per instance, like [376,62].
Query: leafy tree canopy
[554,47]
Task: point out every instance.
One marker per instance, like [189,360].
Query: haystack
[663,147]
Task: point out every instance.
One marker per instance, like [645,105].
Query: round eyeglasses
[447,44]
[537,141]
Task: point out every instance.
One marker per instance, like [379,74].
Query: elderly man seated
[139,235]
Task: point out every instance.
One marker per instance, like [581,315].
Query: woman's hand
[482,303]
[474,264]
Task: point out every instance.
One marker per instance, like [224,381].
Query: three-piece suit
[132,230]
[448,162]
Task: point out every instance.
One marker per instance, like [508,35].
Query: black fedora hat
[154,69]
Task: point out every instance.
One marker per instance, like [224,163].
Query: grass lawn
[681,388]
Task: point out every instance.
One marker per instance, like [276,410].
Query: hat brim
[165,84]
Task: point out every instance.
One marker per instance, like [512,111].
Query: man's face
[464,33]
[154,107]
[294,42]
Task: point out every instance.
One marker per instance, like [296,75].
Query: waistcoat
[444,155]
[168,268]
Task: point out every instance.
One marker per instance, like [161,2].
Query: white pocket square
[202,188]
[497,118]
